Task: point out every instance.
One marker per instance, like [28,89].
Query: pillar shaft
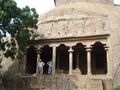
[54,60]
[88,61]
[108,62]
[70,60]
[38,58]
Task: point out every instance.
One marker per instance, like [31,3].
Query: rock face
[77,19]
[87,22]
[81,19]
[59,2]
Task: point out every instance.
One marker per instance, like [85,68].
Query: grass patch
[117,88]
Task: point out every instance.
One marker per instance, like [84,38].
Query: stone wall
[74,21]
[58,82]
[91,25]
[115,49]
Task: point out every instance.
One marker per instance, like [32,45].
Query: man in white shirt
[40,67]
[50,67]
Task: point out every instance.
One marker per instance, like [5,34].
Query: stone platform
[59,82]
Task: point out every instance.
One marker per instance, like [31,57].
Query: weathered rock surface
[57,82]
[82,19]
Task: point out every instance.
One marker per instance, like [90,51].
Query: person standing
[40,66]
[50,67]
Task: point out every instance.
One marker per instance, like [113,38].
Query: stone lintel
[68,39]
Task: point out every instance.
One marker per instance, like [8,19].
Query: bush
[117,88]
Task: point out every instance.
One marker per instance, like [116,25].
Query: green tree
[20,24]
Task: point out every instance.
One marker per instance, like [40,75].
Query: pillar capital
[89,49]
[38,51]
[70,50]
[54,46]
[106,48]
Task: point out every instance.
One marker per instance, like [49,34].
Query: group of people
[41,64]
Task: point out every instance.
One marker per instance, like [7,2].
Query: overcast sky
[42,6]
[117,1]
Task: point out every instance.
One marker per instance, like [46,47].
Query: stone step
[53,83]
[81,89]
[94,84]
[29,89]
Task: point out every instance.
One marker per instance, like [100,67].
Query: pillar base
[77,71]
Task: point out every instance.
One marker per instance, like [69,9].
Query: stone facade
[68,25]
[81,19]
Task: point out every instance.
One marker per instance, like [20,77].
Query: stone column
[24,62]
[108,62]
[70,60]
[88,60]
[38,58]
[54,60]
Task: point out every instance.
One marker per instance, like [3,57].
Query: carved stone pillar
[88,61]
[54,60]
[70,60]
[38,58]
[108,62]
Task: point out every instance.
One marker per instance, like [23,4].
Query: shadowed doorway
[98,59]
[46,56]
[62,62]
[31,60]
[80,59]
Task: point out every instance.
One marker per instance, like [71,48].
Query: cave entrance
[62,59]
[98,59]
[46,56]
[31,60]
[79,59]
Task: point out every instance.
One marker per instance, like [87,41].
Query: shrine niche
[31,60]
[80,58]
[46,56]
[62,59]
[98,59]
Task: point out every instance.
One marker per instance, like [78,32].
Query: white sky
[42,6]
[117,1]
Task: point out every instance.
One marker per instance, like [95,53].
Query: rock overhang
[78,9]
[58,19]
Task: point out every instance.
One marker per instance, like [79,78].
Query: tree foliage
[20,24]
